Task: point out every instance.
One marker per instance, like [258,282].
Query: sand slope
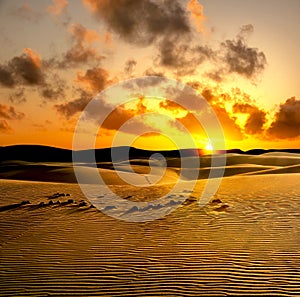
[244,241]
[251,246]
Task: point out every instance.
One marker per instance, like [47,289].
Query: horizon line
[145,149]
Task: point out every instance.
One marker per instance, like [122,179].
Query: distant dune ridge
[44,163]
[40,153]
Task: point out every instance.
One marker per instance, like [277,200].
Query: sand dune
[270,163]
[282,170]
[245,241]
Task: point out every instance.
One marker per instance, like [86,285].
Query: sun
[209,147]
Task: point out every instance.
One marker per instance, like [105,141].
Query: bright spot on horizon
[209,147]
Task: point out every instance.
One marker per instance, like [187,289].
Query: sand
[245,241]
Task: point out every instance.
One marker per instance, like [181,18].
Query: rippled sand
[246,241]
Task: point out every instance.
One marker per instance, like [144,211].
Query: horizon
[145,149]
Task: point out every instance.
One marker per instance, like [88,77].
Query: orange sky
[226,51]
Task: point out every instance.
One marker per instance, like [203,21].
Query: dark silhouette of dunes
[35,153]
[44,163]
[40,153]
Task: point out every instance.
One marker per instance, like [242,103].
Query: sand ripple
[251,246]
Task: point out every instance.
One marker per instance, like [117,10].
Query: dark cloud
[95,79]
[151,72]
[170,105]
[117,118]
[216,75]
[178,55]
[256,117]
[23,69]
[209,95]
[68,109]
[29,69]
[81,50]
[129,66]
[8,112]
[287,120]
[53,91]
[78,54]
[172,55]
[242,59]
[196,85]
[4,127]
[141,22]
[6,76]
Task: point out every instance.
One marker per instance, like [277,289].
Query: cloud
[178,55]
[151,72]
[8,112]
[129,66]
[141,22]
[172,54]
[191,123]
[83,35]
[6,76]
[287,120]
[132,120]
[4,127]
[27,13]
[34,56]
[242,59]
[117,118]
[231,129]
[196,14]
[23,69]
[95,79]
[81,51]
[58,7]
[54,90]
[29,69]
[18,96]
[68,109]
[113,116]
[256,117]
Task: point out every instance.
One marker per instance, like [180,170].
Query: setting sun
[209,147]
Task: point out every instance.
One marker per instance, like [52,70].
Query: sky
[242,57]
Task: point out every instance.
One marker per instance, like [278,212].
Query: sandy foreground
[244,241]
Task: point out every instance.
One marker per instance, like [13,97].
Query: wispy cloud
[58,7]
[26,12]
[4,127]
[8,112]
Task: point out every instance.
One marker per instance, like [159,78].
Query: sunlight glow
[209,147]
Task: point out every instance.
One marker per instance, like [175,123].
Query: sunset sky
[241,56]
